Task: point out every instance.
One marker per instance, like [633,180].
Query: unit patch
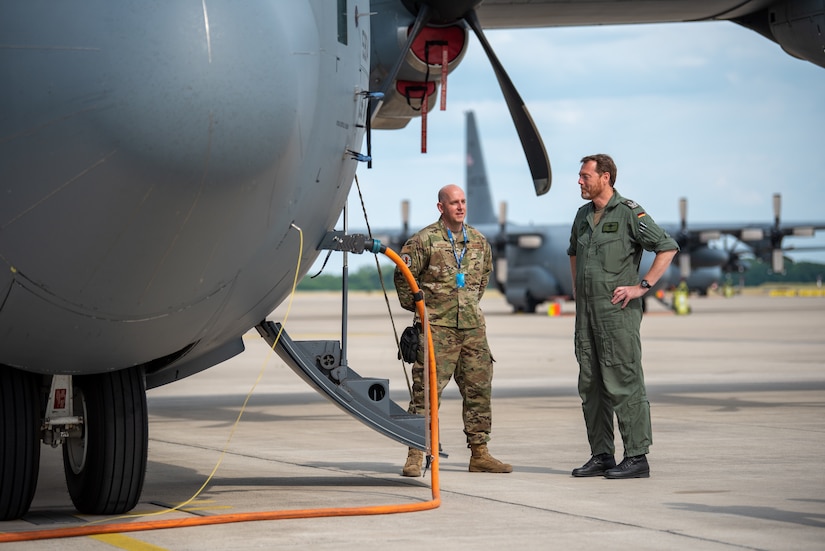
[610,227]
[407,260]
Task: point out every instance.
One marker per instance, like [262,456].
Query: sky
[711,112]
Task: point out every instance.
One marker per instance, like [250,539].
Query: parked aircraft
[166,165]
[532,264]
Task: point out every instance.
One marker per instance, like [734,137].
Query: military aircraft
[531,260]
[169,168]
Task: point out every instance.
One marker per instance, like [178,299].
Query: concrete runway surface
[737,392]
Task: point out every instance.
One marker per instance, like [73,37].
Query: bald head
[448,190]
[452,204]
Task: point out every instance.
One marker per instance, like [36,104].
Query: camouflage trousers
[464,355]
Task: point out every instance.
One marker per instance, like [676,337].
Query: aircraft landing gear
[19,440]
[528,305]
[105,465]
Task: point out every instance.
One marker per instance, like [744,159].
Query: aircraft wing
[764,240]
[792,25]
[752,232]
[499,14]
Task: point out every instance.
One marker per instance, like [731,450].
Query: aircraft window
[342,22]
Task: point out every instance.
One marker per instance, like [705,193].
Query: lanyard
[458,258]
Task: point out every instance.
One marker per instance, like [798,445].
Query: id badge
[459,280]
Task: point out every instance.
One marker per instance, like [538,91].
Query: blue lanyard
[458,258]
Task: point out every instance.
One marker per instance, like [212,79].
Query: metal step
[367,399]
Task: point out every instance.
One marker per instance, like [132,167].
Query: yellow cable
[243,406]
[433,438]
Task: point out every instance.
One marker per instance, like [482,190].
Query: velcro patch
[610,227]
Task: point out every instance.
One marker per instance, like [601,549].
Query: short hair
[603,164]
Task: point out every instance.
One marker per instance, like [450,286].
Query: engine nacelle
[799,27]
[436,50]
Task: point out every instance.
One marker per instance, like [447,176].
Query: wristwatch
[645,284]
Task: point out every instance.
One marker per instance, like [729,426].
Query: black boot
[596,465]
[630,467]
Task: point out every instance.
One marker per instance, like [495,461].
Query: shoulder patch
[630,203]
[407,260]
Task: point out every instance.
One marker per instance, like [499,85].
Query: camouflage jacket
[432,260]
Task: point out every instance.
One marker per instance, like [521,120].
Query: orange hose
[434,503]
[422,314]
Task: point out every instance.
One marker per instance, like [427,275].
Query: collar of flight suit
[614,200]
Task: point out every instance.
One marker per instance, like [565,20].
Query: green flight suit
[607,342]
[456,320]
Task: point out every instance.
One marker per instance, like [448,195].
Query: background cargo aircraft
[532,265]
[165,165]
[531,262]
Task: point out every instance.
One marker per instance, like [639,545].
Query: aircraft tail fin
[479,201]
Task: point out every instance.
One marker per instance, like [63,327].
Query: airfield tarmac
[737,392]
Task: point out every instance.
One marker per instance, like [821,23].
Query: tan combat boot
[482,462]
[414,464]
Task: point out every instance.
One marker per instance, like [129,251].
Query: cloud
[708,111]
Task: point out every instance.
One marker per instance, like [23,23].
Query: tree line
[366,278]
[760,273]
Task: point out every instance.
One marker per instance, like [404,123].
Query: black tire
[530,304]
[105,467]
[19,441]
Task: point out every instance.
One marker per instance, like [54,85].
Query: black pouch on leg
[408,344]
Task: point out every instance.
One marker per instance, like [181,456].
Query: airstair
[367,399]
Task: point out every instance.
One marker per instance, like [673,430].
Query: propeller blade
[777,261]
[500,252]
[777,206]
[683,213]
[405,218]
[531,141]
[684,265]
[502,215]
[777,258]
[500,245]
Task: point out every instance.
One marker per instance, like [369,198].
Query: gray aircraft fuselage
[155,156]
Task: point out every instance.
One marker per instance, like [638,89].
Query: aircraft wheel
[19,441]
[106,465]
[530,304]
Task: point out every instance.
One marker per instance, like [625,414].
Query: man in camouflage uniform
[451,263]
[605,250]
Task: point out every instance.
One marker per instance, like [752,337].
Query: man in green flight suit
[606,243]
[451,263]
